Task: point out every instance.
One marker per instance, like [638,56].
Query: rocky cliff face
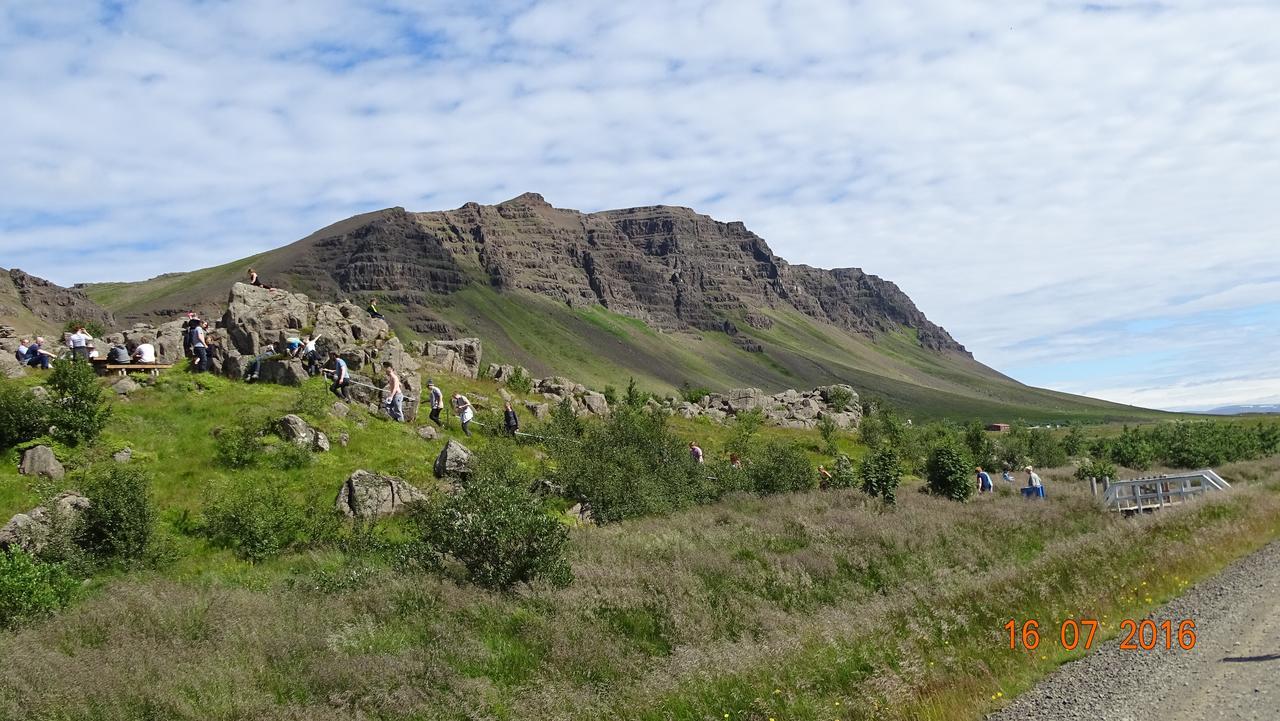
[54,304]
[667,266]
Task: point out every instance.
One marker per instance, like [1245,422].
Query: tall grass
[812,605]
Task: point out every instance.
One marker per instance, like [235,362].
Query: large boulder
[745,399]
[283,371]
[596,403]
[460,357]
[40,461]
[9,365]
[257,317]
[370,495]
[30,531]
[125,386]
[455,460]
[300,433]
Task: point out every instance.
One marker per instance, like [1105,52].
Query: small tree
[634,397]
[779,467]
[30,589]
[520,381]
[829,432]
[880,473]
[948,472]
[692,393]
[745,426]
[1074,442]
[1098,468]
[845,474]
[839,398]
[92,327]
[78,410]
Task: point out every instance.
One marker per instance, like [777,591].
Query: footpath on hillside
[1232,674]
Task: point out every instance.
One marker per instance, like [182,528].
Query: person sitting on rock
[373,309]
[293,346]
[395,395]
[37,356]
[341,378]
[695,452]
[191,321]
[462,408]
[144,353]
[437,401]
[21,352]
[254,368]
[255,281]
[510,421]
[119,354]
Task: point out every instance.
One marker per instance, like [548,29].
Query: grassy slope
[808,606]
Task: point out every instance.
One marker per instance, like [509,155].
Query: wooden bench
[124,368]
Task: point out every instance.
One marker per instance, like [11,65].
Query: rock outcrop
[30,531]
[789,409]
[371,495]
[454,461]
[293,429]
[459,357]
[40,461]
[57,305]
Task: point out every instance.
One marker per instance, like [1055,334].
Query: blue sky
[1083,194]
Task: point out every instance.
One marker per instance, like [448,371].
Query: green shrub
[839,399]
[77,411]
[692,393]
[1043,449]
[92,327]
[1074,442]
[981,448]
[30,589]
[23,417]
[499,533]
[880,473]
[313,400]
[1098,468]
[288,455]
[743,431]
[779,467]
[563,423]
[948,472]
[630,465]
[240,445]
[520,381]
[610,395]
[1132,449]
[721,479]
[634,397]
[119,521]
[829,432]
[845,474]
[255,518]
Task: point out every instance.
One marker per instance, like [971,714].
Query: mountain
[659,293]
[1245,409]
[35,306]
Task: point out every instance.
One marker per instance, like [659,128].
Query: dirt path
[1232,674]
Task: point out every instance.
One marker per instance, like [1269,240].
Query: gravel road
[1232,674]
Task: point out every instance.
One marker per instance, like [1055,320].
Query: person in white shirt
[144,353]
[79,343]
[695,452]
[462,407]
[21,353]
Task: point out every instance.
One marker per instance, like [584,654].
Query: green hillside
[598,347]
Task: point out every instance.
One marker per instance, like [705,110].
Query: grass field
[816,605]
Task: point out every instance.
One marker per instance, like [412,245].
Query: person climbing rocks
[395,395]
[254,368]
[373,309]
[79,344]
[437,401]
[984,481]
[695,452]
[462,408]
[191,321]
[341,378]
[510,421]
[310,358]
[199,345]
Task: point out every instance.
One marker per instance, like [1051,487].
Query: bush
[254,518]
[948,472]
[289,455]
[880,473]
[780,467]
[741,435]
[313,400]
[78,412]
[630,465]
[692,393]
[1074,442]
[1132,450]
[92,327]
[839,398]
[520,381]
[23,417]
[610,395]
[981,448]
[240,445]
[1099,468]
[30,589]
[500,533]
[1043,449]
[120,518]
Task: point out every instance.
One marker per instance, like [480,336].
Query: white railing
[1144,494]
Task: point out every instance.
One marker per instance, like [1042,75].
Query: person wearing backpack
[118,355]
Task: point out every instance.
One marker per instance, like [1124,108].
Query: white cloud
[1024,171]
